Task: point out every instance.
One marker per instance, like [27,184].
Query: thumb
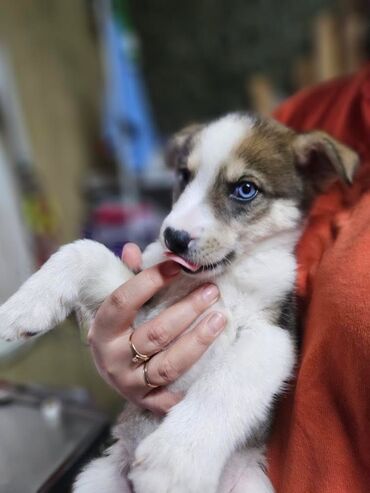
[131,256]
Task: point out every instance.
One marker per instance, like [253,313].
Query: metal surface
[36,450]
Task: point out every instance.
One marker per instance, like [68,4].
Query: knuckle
[168,371]
[125,382]
[159,408]
[119,300]
[158,335]
[202,339]
[110,373]
[197,303]
[151,405]
[151,279]
[117,379]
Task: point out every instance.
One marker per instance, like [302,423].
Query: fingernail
[216,323]
[170,269]
[210,293]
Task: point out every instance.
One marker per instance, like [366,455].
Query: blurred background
[90,90]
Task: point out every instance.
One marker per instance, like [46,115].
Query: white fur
[104,474]
[191,212]
[200,444]
[220,138]
[244,473]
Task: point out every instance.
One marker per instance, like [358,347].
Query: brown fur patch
[180,147]
[333,155]
[267,153]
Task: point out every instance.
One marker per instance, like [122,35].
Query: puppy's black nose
[176,240]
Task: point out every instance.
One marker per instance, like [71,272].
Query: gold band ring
[146,377]
[138,357]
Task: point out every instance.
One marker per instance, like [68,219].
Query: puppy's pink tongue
[181,261]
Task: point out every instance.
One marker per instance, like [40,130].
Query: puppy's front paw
[164,467]
[24,316]
[35,308]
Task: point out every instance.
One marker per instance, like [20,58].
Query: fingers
[120,308]
[160,400]
[163,368]
[114,362]
[131,256]
[157,334]
[167,366]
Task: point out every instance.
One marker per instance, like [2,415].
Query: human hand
[172,351]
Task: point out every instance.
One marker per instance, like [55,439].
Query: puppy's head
[241,180]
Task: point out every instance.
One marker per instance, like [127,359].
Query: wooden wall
[52,47]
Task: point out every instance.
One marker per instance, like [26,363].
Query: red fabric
[321,439]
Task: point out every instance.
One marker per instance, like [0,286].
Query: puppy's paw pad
[28,335]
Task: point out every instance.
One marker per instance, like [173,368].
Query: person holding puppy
[319,440]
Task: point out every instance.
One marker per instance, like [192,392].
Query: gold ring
[138,357]
[146,377]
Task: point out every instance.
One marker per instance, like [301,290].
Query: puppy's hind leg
[104,475]
[80,275]
[244,473]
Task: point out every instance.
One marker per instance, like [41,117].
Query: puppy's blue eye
[245,191]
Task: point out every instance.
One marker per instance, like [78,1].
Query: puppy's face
[241,180]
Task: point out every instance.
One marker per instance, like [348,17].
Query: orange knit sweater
[321,438]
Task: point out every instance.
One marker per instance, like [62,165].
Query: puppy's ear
[322,159]
[179,146]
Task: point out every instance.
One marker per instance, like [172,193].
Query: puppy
[243,186]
